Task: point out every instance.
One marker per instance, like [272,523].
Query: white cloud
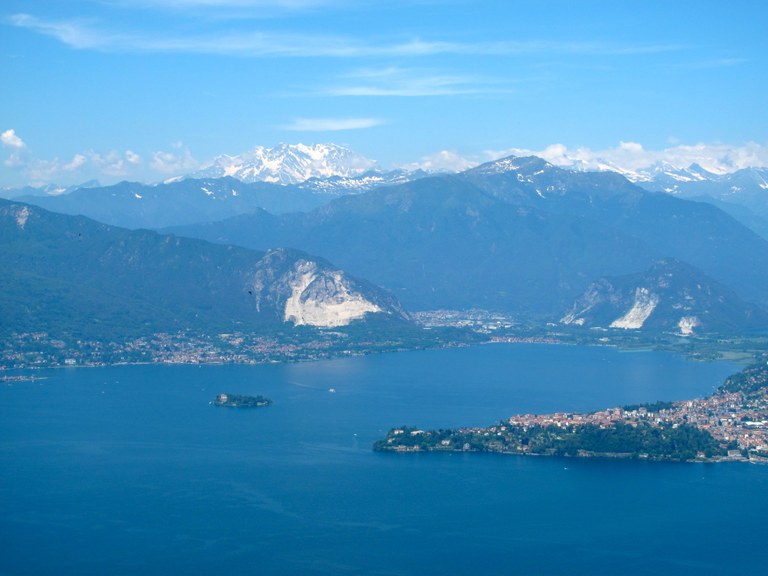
[632,156]
[82,165]
[10,139]
[82,34]
[13,161]
[443,161]
[77,162]
[173,162]
[331,124]
[625,157]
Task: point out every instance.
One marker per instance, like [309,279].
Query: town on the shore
[731,424]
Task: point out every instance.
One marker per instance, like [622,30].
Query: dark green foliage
[752,379]
[72,277]
[667,442]
[675,443]
[651,406]
[71,274]
[241,401]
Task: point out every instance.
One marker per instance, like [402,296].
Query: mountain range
[743,193]
[305,176]
[70,274]
[517,235]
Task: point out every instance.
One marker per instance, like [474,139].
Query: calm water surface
[129,470]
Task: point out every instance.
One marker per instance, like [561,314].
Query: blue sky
[146,89]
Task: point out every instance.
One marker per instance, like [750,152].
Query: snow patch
[644,305]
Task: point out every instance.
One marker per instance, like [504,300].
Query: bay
[130,470]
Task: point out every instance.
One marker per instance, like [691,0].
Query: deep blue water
[129,470]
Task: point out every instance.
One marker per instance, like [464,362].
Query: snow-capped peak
[288,164]
[527,165]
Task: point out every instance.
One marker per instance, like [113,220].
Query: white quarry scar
[687,324]
[336,309]
[645,303]
[22,216]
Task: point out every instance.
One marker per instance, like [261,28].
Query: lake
[129,470]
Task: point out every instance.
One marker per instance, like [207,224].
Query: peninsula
[240,401]
[731,424]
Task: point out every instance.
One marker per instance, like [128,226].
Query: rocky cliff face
[670,296]
[310,292]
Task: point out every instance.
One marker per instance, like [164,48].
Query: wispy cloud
[715,63]
[182,4]
[395,81]
[90,35]
[331,124]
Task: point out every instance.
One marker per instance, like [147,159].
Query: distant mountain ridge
[743,194]
[331,170]
[179,201]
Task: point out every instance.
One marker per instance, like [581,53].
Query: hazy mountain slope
[694,232]
[670,296]
[440,242]
[740,213]
[68,273]
[747,187]
[517,235]
[135,205]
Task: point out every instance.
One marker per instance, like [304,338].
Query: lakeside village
[40,350]
[433,329]
[729,425]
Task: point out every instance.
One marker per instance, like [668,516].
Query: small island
[731,424]
[241,401]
